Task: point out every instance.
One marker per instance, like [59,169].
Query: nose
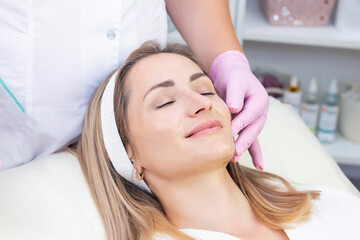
[197,104]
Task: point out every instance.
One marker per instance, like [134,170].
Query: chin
[220,152]
[217,148]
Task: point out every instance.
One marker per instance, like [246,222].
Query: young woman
[159,118]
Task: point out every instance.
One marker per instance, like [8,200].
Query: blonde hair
[129,212]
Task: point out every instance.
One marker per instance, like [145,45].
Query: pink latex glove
[246,98]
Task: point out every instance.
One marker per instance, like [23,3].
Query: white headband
[112,140]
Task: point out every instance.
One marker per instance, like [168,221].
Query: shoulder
[161,236]
[333,198]
[198,234]
[336,207]
[334,215]
[329,193]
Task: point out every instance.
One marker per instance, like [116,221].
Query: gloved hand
[246,98]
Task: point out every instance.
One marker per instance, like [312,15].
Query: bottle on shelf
[292,95]
[329,114]
[310,106]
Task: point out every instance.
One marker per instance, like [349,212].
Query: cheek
[163,125]
[157,137]
[223,109]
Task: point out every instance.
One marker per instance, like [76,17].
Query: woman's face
[169,97]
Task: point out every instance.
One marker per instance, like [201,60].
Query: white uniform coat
[53,56]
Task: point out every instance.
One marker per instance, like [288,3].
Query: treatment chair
[48,198]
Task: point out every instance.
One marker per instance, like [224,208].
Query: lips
[203,126]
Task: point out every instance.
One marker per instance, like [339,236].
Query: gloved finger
[235,95]
[256,155]
[235,157]
[249,134]
[253,109]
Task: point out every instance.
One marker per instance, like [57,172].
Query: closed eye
[209,93]
[164,104]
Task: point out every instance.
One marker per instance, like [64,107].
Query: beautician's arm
[206,27]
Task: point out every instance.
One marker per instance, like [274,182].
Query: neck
[208,201]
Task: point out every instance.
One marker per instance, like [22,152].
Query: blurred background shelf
[174,36]
[256,28]
[344,151]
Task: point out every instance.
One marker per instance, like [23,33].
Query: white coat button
[111,35]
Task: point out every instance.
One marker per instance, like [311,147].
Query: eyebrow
[170,82]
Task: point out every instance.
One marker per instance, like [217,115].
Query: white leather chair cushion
[48,198]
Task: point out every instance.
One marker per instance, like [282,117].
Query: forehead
[160,67]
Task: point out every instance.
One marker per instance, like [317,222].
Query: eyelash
[209,93]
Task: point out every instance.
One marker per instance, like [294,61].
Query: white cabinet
[257,29]
[321,52]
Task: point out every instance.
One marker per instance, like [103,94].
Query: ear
[130,153]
